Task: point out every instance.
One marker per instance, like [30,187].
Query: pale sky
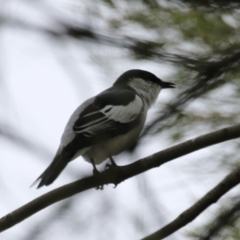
[42,84]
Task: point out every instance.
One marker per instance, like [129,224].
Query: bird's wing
[112,113]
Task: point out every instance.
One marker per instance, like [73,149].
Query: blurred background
[56,54]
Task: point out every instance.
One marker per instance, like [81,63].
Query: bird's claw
[100,187]
[95,173]
[108,166]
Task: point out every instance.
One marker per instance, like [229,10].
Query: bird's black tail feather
[53,171]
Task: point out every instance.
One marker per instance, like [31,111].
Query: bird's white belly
[113,146]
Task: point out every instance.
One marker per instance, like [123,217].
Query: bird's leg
[96,172]
[112,161]
[114,168]
[113,164]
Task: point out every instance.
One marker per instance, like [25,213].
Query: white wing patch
[124,114]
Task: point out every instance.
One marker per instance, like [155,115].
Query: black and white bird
[107,124]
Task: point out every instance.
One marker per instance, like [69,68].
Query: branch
[225,219]
[191,213]
[117,175]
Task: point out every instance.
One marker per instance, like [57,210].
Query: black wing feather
[93,126]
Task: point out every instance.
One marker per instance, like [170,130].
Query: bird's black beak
[167,85]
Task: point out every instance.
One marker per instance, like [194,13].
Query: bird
[106,124]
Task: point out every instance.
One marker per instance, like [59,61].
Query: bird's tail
[53,171]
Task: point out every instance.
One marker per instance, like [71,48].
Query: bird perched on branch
[107,124]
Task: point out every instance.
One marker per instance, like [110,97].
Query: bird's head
[144,83]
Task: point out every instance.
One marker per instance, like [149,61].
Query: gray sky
[42,84]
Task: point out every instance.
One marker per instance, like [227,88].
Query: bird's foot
[113,167]
[96,173]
